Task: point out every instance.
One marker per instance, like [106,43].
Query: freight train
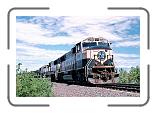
[90,60]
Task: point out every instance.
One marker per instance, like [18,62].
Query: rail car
[90,60]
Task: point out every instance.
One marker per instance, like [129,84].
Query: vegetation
[133,76]
[18,68]
[29,86]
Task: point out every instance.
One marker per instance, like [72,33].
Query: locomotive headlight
[101,55]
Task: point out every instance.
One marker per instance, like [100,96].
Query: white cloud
[123,60]
[128,63]
[123,25]
[75,21]
[32,57]
[101,32]
[33,34]
[127,44]
[90,26]
[126,55]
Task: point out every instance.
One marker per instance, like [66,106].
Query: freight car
[90,60]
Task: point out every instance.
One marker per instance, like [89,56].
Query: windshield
[87,44]
[103,44]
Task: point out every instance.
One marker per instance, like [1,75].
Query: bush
[123,76]
[133,76]
[28,86]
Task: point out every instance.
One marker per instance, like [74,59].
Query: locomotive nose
[102,58]
[101,55]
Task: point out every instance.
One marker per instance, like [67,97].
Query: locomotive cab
[100,65]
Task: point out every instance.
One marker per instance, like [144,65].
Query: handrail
[86,69]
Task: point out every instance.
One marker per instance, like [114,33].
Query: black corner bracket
[148,94]
[19,8]
[19,105]
[148,48]
[148,19]
[8,66]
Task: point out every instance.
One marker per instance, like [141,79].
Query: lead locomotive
[90,60]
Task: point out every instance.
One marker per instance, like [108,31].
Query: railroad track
[119,86]
[116,86]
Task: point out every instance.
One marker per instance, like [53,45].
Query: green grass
[28,86]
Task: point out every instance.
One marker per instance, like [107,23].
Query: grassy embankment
[27,85]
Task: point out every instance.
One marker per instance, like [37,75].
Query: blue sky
[41,39]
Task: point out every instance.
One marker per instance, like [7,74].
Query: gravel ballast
[65,90]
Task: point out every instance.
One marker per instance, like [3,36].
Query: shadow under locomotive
[89,61]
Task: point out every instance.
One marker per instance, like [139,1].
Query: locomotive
[90,60]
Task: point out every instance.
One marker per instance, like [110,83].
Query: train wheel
[60,77]
[52,78]
[80,77]
[105,78]
[74,76]
[113,80]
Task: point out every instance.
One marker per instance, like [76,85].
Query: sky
[41,39]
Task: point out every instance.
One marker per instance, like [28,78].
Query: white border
[83,101]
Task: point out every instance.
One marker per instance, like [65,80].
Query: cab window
[89,44]
[103,44]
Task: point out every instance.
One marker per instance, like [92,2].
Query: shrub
[123,76]
[133,76]
[28,86]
